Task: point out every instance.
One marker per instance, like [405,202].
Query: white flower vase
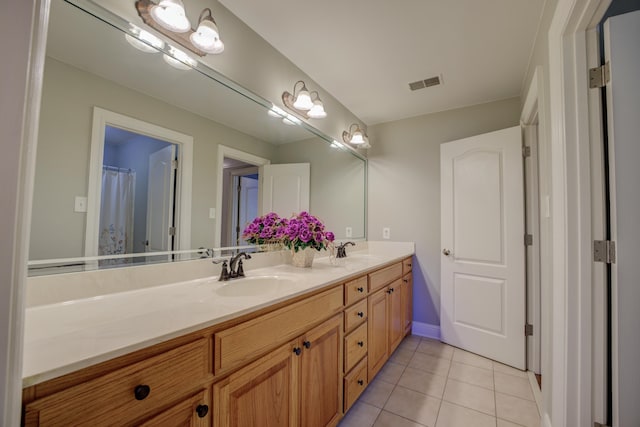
[303,258]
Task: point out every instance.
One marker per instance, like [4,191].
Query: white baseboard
[426,330]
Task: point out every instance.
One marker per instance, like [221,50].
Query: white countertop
[65,337]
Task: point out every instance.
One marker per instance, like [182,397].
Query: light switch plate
[80,204]
[348,232]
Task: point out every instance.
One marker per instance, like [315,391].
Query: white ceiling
[365,52]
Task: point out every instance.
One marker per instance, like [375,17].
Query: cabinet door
[396,314]
[407,302]
[264,393]
[192,412]
[321,374]
[377,332]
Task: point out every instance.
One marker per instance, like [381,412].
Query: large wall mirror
[141,154]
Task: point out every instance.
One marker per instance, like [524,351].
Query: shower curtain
[116,211]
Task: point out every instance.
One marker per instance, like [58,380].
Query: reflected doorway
[239,199]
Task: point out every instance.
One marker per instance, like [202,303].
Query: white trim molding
[102,118]
[425,330]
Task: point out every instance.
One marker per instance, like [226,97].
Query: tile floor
[428,383]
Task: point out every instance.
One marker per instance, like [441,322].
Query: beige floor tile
[470,396]
[435,348]
[390,372]
[360,415]
[472,375]
[377,393]
[451,415]
[468,358]
[503,423]
[415,406]
[515,386]
[517,410]
[499,367]
[424,382]
[410,343]
[401,356]
[428,363]
[387,419]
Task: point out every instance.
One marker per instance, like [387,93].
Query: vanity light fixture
[144,40]
[356,136]
[279,113]
[168,17]
[303,102]
[179,59]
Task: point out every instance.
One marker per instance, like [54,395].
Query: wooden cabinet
[377,331]
[396,314]
[299,383]
[192,412]
[354,383]
[407,302]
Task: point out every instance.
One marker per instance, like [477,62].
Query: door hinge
[604,251]
[526,151]
[528,239]
[174,164]
[528,330]
[599,76]
[172,231]
[597,424]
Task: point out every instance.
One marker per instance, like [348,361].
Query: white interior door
[160,194]
[622,35]
[482,306]
[285,188]
[245,206]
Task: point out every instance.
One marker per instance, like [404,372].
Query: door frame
[530,117]
[567,350]
[102,118]
[232,153]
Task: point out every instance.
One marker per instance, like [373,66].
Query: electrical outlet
[348,232]
[80,204]
[386,233]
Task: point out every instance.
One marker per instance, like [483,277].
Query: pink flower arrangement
[296,233]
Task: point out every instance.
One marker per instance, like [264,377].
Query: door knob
[446,252]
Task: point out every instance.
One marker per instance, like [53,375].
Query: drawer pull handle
[360,382]
[361,289]
[141,391]
[360,314]
[307,344]
[361,343]
[390,291]
[202,411]
[405,280]
[297,351]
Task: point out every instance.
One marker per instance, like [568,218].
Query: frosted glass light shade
[170,14]
[303,100]
[207,37]
[317,111]
[357,138]
[145,41]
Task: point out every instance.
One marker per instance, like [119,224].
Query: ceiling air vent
[421,84]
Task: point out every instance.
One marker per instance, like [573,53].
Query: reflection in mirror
[102,71]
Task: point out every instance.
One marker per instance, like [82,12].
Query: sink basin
[362,257]
[256,286]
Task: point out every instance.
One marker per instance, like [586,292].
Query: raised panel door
[396,314]
[321,374]
[377,332]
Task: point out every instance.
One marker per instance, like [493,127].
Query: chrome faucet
[342,249]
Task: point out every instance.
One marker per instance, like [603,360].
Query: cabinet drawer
[355,347]
[193,412]
[384,276]
[240,344]
[354,383]
[355,290]
[407,265]
[355,315]
[129,393]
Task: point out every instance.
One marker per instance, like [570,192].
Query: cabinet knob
[405,280]
[390,291]
[446,252]
[360,289]
[409,265]
[297,351]
[360,314]
[202,411]
[360,382]
[361,343]
[307,344]
[141,391]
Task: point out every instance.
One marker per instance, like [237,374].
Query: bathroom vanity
[298,351]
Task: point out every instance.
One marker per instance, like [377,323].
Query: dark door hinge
[599,76]
[604,251]
[528,330]
[528,239]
